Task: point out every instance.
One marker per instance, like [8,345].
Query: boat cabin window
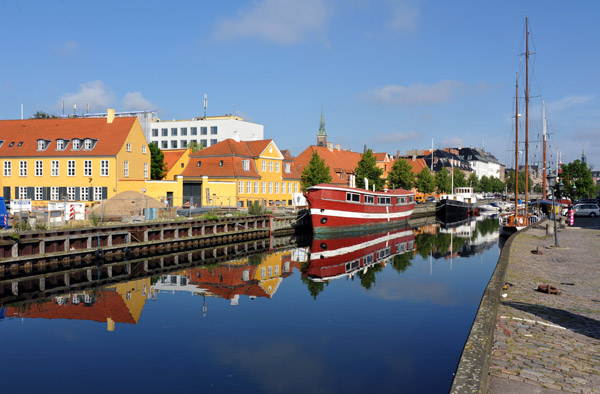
[369,199]
[402,200]
[411,198]
[368,259]
[411,245]
[383,253]
[353,265]
[354,197]
[384,200]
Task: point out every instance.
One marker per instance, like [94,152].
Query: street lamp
[552,184]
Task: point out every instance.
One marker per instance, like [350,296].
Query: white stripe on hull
[360,215]
[353,248]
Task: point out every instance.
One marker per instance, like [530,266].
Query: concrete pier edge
[472,373]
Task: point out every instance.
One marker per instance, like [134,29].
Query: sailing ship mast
[544,149]
[517,148]
[526,111]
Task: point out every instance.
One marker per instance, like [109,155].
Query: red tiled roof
[380,156]
[258,147]
[336,159]
[171,157]
[110,136]
[221,166]
[417,165]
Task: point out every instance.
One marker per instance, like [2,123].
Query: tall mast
[516,147]
[526,110]
[544,150]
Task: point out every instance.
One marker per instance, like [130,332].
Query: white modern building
[206,131]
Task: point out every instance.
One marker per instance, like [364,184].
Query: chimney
[337,147]
[330,146]
[110,115]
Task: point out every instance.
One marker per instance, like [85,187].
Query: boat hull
[448,210]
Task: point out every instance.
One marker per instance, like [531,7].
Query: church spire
[322,135]
[583,157]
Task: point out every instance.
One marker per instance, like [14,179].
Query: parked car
[430,199]
[591,210]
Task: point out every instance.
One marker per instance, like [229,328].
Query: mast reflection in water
[379,312]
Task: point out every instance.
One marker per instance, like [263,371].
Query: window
[174,144]
[246,164]
[144,149]
[38,193]
[11,144]
[198,164]
[164,132]
[270,271]
[241,187]
[22,192]
[270,187]
[369,199]
[20,144]
[296,187]
[54,168]
[39,168]
[213,142]
[203,130]
[256,187]
[270,166]
[145,170]
[263,166]
[263,188]
[154,132]
[60,145]
[87,145]
[203,143]
[173,131]
[220,163]
[276,187]
[7,168]
[164,144]
[277,166]
[97,193]
[354,197]
[71,193]
[287,167]
[70,167]
[103,169]
[248,187]
[75,145]
[1,142]
[126,168]
[183,144]
[84,194]
[193,130]
[262,272]
[87,168]
[128,146]
[184,131]
[384,200]
[283,188]
[54,193]
[43,144]
[213,130]
[22,168]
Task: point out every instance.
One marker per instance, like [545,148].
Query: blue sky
[392,74]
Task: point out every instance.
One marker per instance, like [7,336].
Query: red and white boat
[337,257]
[335,208]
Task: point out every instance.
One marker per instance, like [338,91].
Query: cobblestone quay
[547,343]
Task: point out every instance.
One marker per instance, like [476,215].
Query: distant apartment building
[483,163]
[205,131]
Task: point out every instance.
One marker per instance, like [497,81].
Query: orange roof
[337,160]
[417,165]
[381,156]
[258,147]
[26,133]
[230,147]
[171,156]
[221,166]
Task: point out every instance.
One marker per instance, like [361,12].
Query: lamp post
[552,184]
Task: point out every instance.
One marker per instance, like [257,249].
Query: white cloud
[68,48]
[135,101]
[404,17]
[439,92]
[452,142]
[95,93]
[569,101]
[396,137]
[283,22]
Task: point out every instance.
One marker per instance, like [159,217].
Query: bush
[256,208]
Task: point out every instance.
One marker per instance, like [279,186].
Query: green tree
[510,182]
[425,181]
[497,185]
[194,146]
[367,168]
[577,174]
[460,179]
[314,288]
[401,175]
[316,172]
[367,279]
[401,262]
[42,115]
[473,181]
[158,168]
[443,181]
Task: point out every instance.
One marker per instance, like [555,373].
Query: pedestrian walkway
[546,343]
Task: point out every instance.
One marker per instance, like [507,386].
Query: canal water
[378,312]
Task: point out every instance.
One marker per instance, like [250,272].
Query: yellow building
[235,173]
[80,159]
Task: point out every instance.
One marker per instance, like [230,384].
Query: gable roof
[339,161]
[220,166]
[171,157]
[110,136]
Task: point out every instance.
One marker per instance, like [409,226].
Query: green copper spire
[322,125]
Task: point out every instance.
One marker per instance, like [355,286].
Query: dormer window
[246,164]
[87,144]
[220,163]
[198,164]
[11,144]
[1,143]
[43,144]
[287,167]
[60,144]
[76,145]
[20,144]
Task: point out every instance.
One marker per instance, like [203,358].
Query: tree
[158,168]
[316,172]
[460,179]
[195,146]
[42,115]
[510,182]
[367,168]
[425,181]
[579,175]
[443,181]
[401,175]
[473,181]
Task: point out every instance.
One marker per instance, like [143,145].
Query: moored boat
[341,208]
[457,206]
